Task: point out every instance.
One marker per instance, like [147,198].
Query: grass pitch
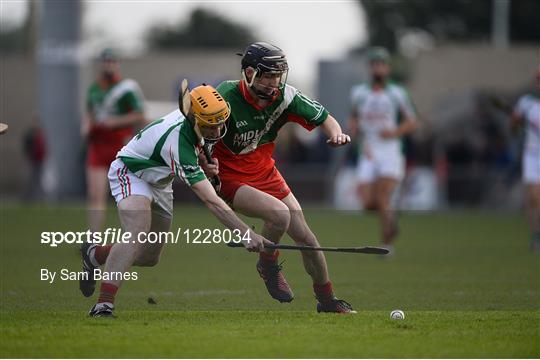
[466,281]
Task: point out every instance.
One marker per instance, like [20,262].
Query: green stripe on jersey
[156,154]
[153,123]
[189,171]
[134,165]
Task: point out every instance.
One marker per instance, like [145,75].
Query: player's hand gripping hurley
[184,104]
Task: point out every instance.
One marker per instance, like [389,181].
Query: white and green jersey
[164,149]
[380,110]
[528,108]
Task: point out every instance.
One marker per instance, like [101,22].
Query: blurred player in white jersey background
[382,113]
[527,114]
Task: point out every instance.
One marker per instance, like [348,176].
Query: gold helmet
[209,108]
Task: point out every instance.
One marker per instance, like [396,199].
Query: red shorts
[102,154]
[104,144]
[272,184]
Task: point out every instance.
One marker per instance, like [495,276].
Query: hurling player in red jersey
[261,103]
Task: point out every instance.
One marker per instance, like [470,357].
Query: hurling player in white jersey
[527,113]
[382,114]
[141,182]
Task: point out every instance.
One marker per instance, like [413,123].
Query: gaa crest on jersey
[241,123]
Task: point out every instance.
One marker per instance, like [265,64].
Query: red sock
[101,253]
[107,292]
[323,291]
[269,258]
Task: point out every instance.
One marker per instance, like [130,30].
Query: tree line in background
[205,29]
[446,21]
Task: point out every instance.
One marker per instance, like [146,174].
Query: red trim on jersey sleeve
[301,121]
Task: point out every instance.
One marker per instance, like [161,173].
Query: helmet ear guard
[250,81]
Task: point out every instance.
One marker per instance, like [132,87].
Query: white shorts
[371,168]
[124,183]
[531,167]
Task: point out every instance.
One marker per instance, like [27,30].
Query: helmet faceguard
[211,139]
[210,110]
[264,58]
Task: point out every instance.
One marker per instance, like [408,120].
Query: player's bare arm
[332,129]
[406,127]
[204,190]
[130,119]
[86,124]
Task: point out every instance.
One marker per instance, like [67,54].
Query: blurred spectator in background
[527,113]
[382,113]
[114,107]
[35,151]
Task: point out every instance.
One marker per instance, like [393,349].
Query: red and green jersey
[122,97]
[247,147]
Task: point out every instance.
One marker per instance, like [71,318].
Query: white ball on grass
[397,315]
